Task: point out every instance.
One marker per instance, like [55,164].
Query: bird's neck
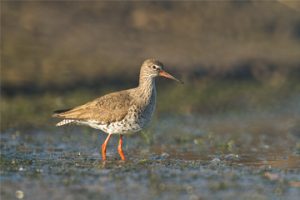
[147,87]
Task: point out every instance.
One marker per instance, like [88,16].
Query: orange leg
[104,147]
[120,150]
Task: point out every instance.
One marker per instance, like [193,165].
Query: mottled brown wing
[106,109]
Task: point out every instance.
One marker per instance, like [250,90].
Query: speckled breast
[136,119]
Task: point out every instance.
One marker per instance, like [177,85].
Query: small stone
[231,157]
[269,167]
[215,161]
[21,169]
[19,194]
[164,155]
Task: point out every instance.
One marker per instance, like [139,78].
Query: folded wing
[106,109]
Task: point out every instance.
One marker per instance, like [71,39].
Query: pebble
[215,161]
[19,194]
[21,169]
[164,155]
[232,157]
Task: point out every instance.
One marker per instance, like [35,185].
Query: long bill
[167,75]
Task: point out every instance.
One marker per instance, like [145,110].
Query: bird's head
[153,68]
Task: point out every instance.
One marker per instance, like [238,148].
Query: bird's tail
[60,113]
[65,121]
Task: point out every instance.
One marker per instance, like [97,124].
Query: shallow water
[178,157]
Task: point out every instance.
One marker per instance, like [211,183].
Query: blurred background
[233,56]
[233,128]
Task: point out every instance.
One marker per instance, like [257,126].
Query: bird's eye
[155,67]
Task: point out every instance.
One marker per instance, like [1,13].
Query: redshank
[122,112]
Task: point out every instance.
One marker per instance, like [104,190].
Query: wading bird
[122,112]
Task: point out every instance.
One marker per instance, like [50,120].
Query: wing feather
[106,109]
